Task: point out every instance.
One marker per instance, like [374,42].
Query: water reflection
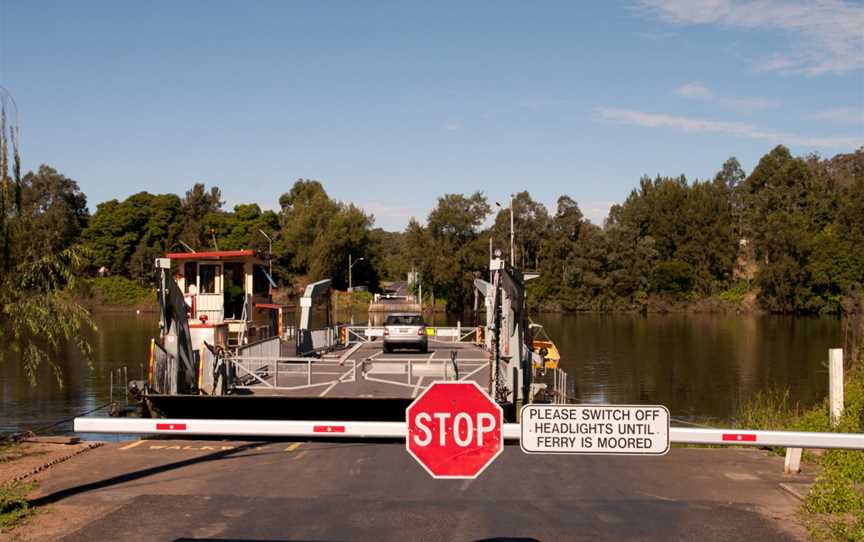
[121,340]
[699,366]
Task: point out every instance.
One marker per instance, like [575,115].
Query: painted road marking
[293,446]
[417,387]
[188,448]
[300,454]
[132,445]
[337,381]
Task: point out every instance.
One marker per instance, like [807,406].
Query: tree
[54,208]
[731,176]
[388,254]
[531,222]
[126,236]
[38,317]
[557,255]
[346,234]
[672,277]
[786,205]
[241,228]
[568,218]
[457,218]
[453,230]
[197,205]
[631,257]
[306,211]
[318,234]
[709,245]
[416,242]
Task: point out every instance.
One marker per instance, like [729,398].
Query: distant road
[398,292]
[222,490]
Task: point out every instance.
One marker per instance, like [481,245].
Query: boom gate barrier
[399,430]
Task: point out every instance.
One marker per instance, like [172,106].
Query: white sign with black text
[595,429]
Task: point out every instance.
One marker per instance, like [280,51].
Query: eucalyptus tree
[530,228]
[451,247]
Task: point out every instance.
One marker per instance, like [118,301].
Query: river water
[700,367]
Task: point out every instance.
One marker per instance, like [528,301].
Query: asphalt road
[398,288]
[218,490]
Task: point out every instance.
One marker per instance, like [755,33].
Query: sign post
[454,430]
[595,429]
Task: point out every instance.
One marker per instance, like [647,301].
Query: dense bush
[119,291]
[672,277]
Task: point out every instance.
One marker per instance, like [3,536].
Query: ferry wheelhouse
[228,296]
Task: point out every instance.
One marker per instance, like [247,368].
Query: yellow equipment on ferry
[543,345]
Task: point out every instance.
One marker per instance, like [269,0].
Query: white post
[835,388]
[793,461]
[458,330]
[792,465]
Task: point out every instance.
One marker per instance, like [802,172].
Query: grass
[118,290]
[13,503]
[352,302]
[769,410]
[735,293]
[835,505]
[9,451]
[834,508]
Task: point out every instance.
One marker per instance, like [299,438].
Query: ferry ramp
[358,383]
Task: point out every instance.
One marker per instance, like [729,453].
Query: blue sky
[391,104]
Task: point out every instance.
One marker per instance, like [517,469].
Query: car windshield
[404,320]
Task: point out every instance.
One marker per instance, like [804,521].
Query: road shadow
[136,475]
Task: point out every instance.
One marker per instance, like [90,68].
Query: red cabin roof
[216,255]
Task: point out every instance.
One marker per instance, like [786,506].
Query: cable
[685,422]
[55,424]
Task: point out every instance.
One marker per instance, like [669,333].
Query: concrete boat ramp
[165,489]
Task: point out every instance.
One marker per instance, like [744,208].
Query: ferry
[225,350]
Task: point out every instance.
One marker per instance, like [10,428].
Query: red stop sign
[454,429]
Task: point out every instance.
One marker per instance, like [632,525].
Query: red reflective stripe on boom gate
[329,429]
[170,426]
[739,437]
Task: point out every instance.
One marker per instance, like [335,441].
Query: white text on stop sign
[463,424]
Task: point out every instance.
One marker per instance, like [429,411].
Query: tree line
[789,235]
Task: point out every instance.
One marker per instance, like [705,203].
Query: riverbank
[21,463]
[730,302]
[119,294]
[833,510]
[116,294]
